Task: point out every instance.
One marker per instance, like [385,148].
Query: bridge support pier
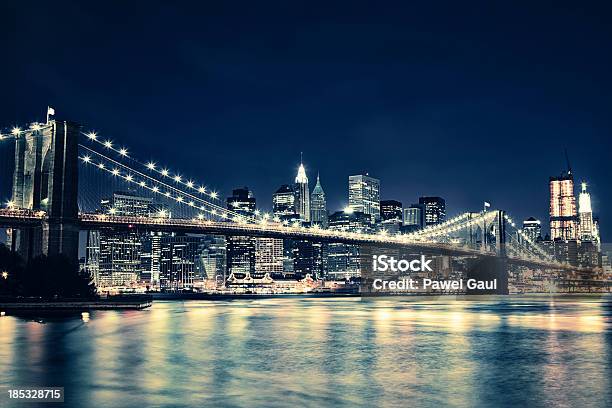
[46,179]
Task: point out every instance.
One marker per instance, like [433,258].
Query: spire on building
[584,200]
[318,189]
[301,175]
[302,193]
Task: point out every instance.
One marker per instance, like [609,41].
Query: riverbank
[35,305]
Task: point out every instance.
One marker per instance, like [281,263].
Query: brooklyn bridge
[45,217]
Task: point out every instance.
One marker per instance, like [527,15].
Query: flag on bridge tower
[487,205]
[50,112]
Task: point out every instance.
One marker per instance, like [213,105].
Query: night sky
[469,101]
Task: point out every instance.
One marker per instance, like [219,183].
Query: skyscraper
[240,249]
[563,216]
[414,216]
[116,255]
[284,203]
[318,205]
[180,261]
[268,255]
[343,259]
[302,194]
[391,216]
[435,210]
[391,210]
[364,195]
[585,214]
[533,229]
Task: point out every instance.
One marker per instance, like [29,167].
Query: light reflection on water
[321,352]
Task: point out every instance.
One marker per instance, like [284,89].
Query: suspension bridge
[46,211]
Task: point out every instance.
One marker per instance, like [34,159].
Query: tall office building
[116,256]
[180,262]
[318,205]
[302,194]
[435,210]
[213,255]
[533,229]
[284,203]
[391,210]
[241,249]
[151,257]
[128,204]
[391,216]
[585,214]
[342,259]
[364,196]
[242,202]
[414,217]
[268,255]
[563,216]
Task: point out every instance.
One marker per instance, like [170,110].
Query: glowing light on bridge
[15,131]
[92,135]
[151,166]
[108,144]
[115,172]
[165,172]
[177,178]
[86,159]
[10,204]
[123,151]
[214,194]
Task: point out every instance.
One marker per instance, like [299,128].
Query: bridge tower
[496,267]
[46,179]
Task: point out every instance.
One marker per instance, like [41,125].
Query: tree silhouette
[44,276]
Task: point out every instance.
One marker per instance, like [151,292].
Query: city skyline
[438,108]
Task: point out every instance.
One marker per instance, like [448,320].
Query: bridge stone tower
[46,179]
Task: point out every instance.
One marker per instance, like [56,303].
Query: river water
[498,351]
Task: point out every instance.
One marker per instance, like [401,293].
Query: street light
[5,274]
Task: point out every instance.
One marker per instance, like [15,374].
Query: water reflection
[308,351]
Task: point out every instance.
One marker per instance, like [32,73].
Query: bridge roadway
[15,218]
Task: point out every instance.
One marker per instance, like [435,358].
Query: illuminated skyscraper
[268,255]
[318,205]
[364,195]
[240,249]
[414,216]
[391,210]
[435,210]
[283,203]
[563,216]
[302,194]
[585,214]
[533,229]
